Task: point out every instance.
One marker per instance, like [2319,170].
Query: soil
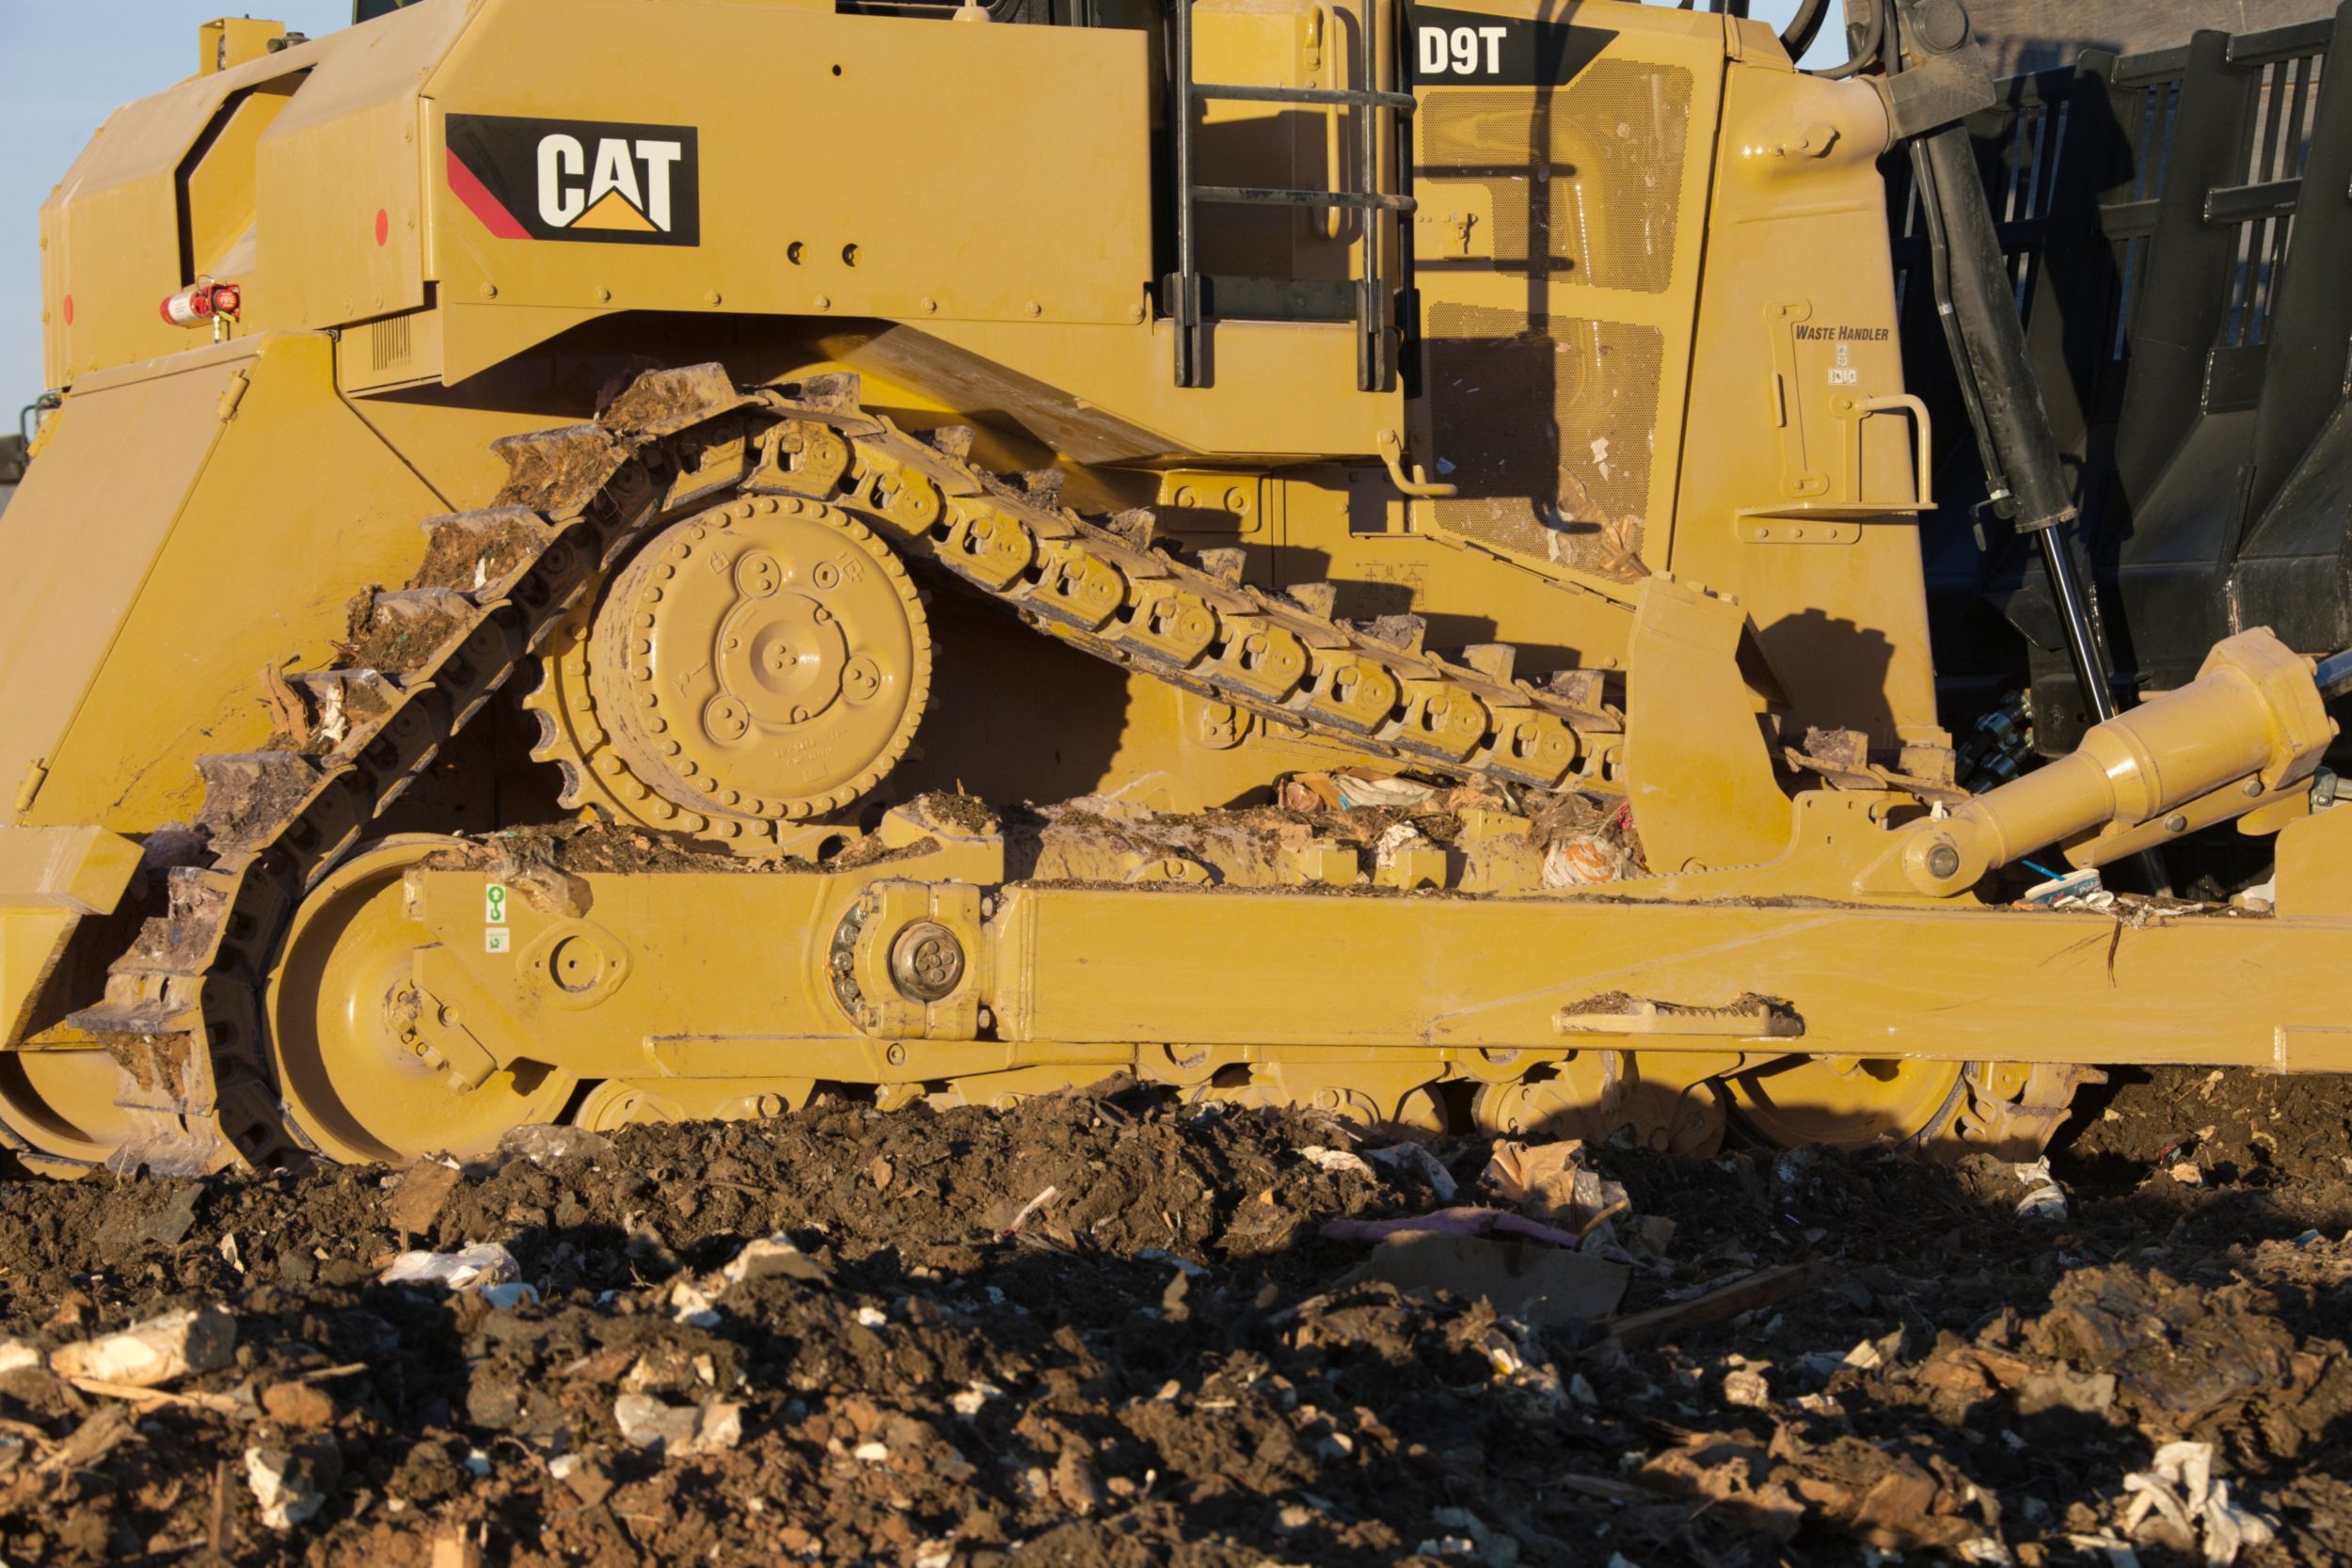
[1106,1328]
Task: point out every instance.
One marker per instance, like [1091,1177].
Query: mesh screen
[1547,433]
[1586,181]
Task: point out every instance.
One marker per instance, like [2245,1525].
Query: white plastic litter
[483,1263]
[2044,1198]
[152,1352]
[1334,1161]
[281,1486]
[2181,1486]
[1413,1157]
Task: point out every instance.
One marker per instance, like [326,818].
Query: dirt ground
[1108,1328]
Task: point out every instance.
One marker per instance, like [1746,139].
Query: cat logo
[582,179]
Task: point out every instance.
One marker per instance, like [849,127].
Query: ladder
[1196,298]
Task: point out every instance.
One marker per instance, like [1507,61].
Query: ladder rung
[1402,103]
[1262,196]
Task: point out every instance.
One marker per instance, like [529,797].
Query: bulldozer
[606,561]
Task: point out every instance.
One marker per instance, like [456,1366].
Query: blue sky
[66,64]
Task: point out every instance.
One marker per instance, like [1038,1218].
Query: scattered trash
[2077,886]
[966,1402]
[872,1317]
[2044,1198]
[774,1258]
[691,1307]
[1728,1300]
[153,1352]
[1579,861]
[1417,1158]
[507,1296]
[483,1263]
[2187,1173]
[1351,790]
[1334,1161]
[229,1254]
[678,1430]
[1746,1387]
[1552,1181]
[1463,1221]
[290,1485]
[2181,1487]
[543,1143]
[1030,1208]
[1537,1284]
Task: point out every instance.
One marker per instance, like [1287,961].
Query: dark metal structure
[2176,226]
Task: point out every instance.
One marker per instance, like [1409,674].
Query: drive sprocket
[754,666]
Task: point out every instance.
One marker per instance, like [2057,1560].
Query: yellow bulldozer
[618,559]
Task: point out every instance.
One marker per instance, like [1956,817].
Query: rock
[297,1404]
[418,1202]
[676,1430]
[155,1351]
[583,1475]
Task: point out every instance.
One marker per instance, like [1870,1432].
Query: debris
[1535,1284]
[691,1307]
[1464,1222]
[418,1202]
[1417,1158]
[678,1430]
[2044,1198]
[1030,1208]
[543,1143]
[1579,861]
[290,1485]
[16,1353]
[148,1354]
[1745,1294]
[229,1254]
[507,1296]
[2187,1174]
[1334,1161]
[2181,1487]
[774,1258]
[483,1263]
[966,1402]
[170,1225]
[1746,1387]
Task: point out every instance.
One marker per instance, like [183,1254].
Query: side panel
[184,531]
[83,533]
[1795,497]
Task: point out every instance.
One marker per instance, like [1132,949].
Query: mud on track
[1157,1366]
